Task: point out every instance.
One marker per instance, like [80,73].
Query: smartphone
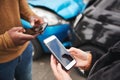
[60,52]
[36,30]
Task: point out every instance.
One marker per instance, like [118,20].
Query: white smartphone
[60,52]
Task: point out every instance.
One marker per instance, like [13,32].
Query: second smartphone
[60,52]
[36,30]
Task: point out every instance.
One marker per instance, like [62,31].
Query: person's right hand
[83,58]
[18,36]
[59,73]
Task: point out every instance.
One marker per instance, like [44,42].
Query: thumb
[32,23]
[59,67]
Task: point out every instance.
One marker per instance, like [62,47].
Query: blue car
[59,15]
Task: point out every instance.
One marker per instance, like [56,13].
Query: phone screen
[60,52]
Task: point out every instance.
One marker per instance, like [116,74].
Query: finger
[53,65]
[17,28]
[32,23]
[22,30]
[60,69]
[72,49]
[52,62]
[73,53]
[23,36]
[76,51]
[40,20]
[53,59]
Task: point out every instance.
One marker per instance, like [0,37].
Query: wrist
[89,61]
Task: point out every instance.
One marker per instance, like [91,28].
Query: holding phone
[36,30]
[60,52]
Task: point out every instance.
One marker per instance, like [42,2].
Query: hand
[83,58]
[35,21]
[58,72]
[18,36]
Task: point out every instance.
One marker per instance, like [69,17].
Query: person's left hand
[58,72]
[35,21]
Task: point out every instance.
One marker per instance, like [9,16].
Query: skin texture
[17,33]
[59,73]
[82,58]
